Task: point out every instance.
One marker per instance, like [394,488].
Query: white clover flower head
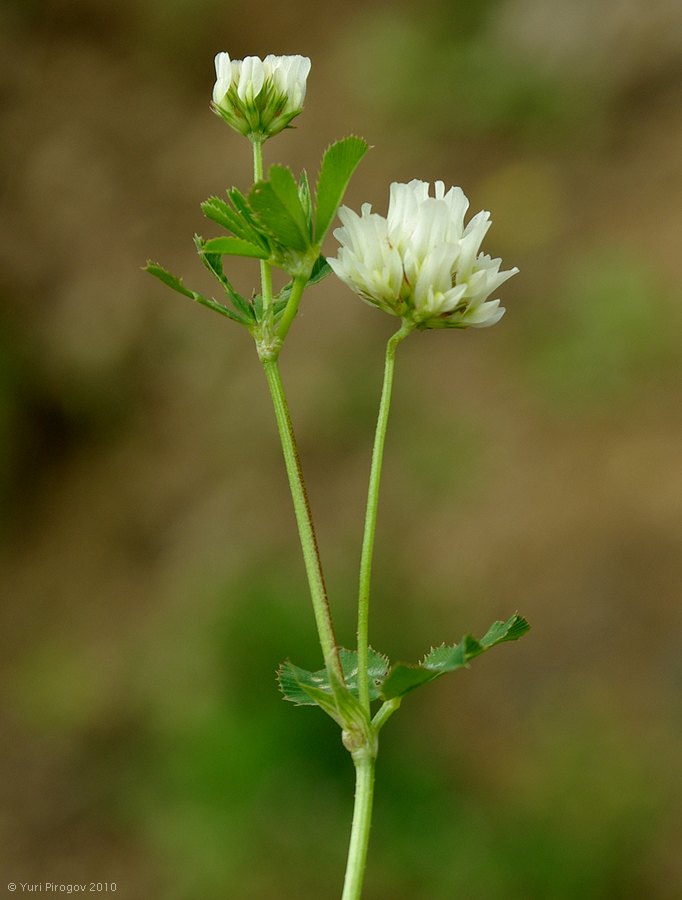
[421,262]
[259,97]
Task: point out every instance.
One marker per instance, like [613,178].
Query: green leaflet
[233,246]
[301,686]
[277,204]
[234,218]
[177,285]
[284,185]
[242,207]
[221,213]
[338,164]
[214,264]
[404,678]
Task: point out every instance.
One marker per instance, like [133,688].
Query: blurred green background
[151,579]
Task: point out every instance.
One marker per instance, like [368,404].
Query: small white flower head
[259,97]
[421,262]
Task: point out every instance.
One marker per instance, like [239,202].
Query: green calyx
[262,117]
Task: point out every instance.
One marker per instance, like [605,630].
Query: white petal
[484,315]
[452,297]
[223,71]
[458,205]
[251,79]
[436,271]
[430,227]
[420,189]
[471,241]
[402,211]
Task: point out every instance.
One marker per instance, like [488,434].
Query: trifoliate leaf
[338,164]
[296,683]
[176,284]
[404,678]
[233,246]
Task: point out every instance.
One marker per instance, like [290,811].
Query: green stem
[306,530]
[304,520]
[257,145]
[386,710]
[265,269]
[362,820]
[292,307]
[371,513]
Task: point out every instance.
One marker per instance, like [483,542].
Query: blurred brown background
[151,580]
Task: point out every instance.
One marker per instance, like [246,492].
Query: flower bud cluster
[421,262]
[259,97]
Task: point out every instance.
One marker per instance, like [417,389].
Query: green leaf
[176,284]
[247,216]
[338,700]
[236,218]
[221,213]
[214,264]
[338,164]
[171,280]
[277,205]
[296,683]
[511,630]
[377,667]
[284,185]
[235,247]
[306,688]
[404,678]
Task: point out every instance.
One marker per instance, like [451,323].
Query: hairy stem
[306,530]
[304,519]
[362,820]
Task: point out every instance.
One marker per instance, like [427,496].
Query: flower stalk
[265,267]
[372,510]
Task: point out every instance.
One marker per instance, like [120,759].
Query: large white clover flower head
[421,262]
[259,97]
